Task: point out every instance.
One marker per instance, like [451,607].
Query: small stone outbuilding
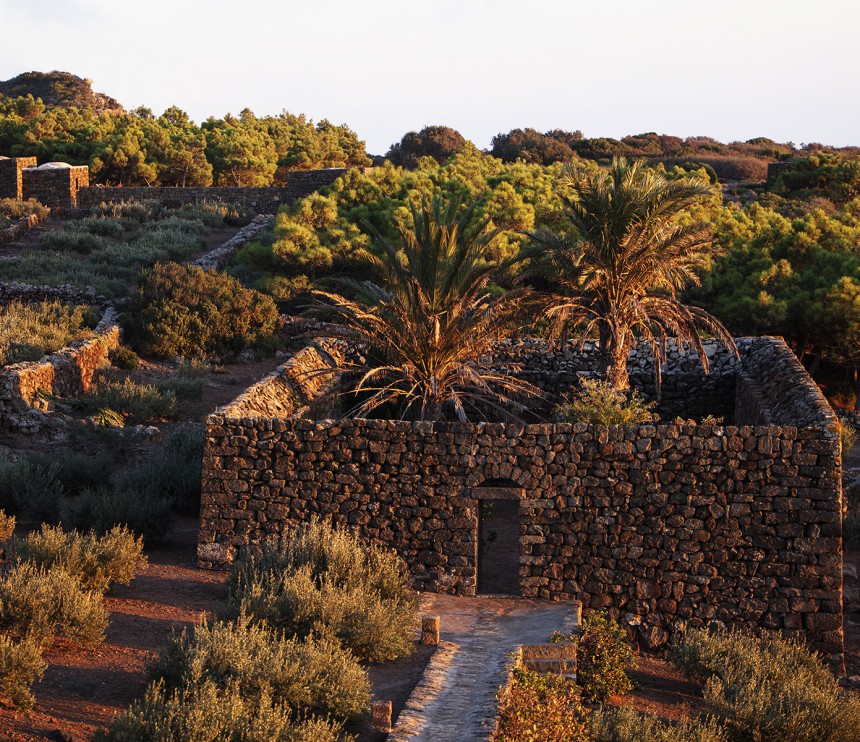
[665,525]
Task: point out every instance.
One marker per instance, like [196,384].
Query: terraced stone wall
[664,525]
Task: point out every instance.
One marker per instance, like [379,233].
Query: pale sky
[730,69]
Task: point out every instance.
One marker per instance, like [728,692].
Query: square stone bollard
[380,716]
[430,630]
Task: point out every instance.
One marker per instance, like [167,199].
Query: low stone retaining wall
[664,525]
[66,373]
[299,183]
[19,228]
[223,255]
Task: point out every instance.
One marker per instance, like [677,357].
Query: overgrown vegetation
[185,311]
[536,708]
[97,562]
[322,580]
[767,688]
[140,402]
[598,402]
[143,511]
[11,210]
[307,675]
[30,331]
[628,725]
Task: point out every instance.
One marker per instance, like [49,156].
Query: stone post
[380,716]
[430,630]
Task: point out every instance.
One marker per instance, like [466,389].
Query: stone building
[665,525]
[55,184]
[10,176]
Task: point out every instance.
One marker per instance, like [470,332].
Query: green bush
[139,211]
[538,708]
[143,402]
[42,603]
[55,269]
[182,387]
[125,358]
[628,725]
[105,226]
[597,402]
[307,675]
[768,689]
[75,470]
[173,473]
[180,239]
[603,656]
[28,485]
[96,561]
[20,666]
[319,580]
[143,514]
[73,239]
[214,214]
[186,311]
[206,713]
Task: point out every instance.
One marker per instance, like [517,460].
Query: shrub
[768,689]
[75,470]
[100,510]
[175,472]
[41,603]
[603,656]
[139,211]
[178,238]
[628,725]
[142,402]
[318,580]
[96,561]
[105,226]
[28,485]
[7,526]
[307,675]
[536,708]
[214,214]
[597,402]
[187,311]
[30,331]
[13,209]
[105,417]
[73,239]
[182,387]
[125,358]
[20,666]
[206,712]
[847,435]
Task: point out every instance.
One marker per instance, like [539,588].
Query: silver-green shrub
[768,689]
[319,579]
[308,675]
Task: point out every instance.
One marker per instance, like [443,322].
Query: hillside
[59,90]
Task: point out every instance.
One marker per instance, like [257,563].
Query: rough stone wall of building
[664,525]
[299,183]
[10,176]
[58,189]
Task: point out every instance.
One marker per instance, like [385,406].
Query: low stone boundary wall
[299,183]
[26,292]
[66,373]
[20,227]
[223,255]
[664,525]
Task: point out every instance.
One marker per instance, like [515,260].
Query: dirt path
[458,701]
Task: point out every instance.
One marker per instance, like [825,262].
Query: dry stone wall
[223,255]
[298,184]
[66,373]
[664,525]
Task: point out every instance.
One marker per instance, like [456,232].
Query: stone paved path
[457,700]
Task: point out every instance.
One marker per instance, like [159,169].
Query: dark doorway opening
[499,546]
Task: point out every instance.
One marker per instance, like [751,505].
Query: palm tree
[429,326]
[621,276]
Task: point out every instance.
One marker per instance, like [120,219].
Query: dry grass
[29,331]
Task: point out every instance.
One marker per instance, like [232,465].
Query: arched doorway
[498,538]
